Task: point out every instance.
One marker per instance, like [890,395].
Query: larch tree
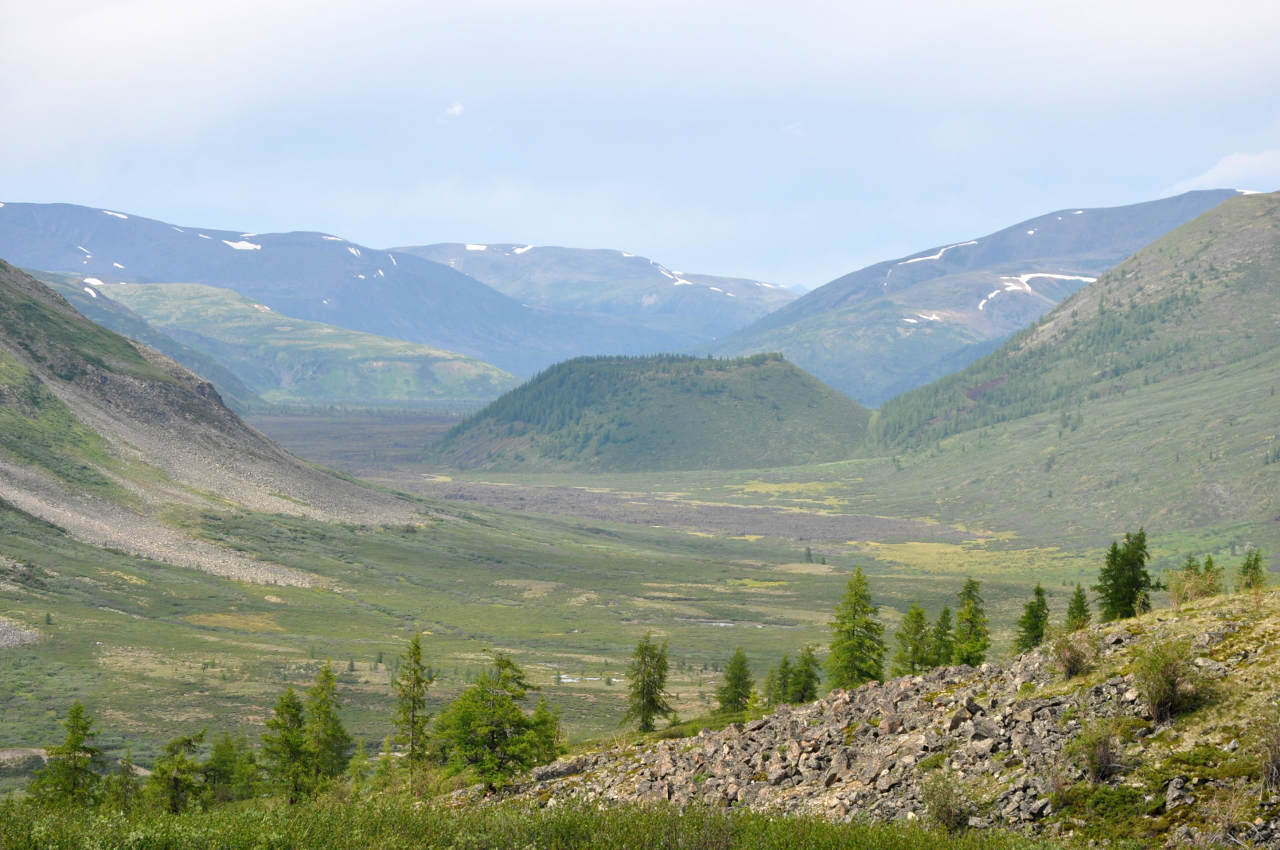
[972,639]
[328,744]
[284,747]
[1124,585]
[69,774]
[857,638]
[411,701]
[1033,622]
[941,639]
[912,637]
[736,690]
[647,696]
[1078,614]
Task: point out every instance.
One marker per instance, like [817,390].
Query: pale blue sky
[790,142]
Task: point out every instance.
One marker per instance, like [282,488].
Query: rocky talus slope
[999,745]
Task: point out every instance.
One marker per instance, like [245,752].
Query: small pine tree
[647,684]
[411,684]
[971,636]
[1033,622]
[1124,585]
[805,677]
[1251,575]
[1078,614]
[177,780]
[913,643]
[284,747]
[69,775]
[941,640]
[857,639]
[328,744]
[736,690]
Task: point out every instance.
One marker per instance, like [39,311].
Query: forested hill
[664,412]
[1201,298]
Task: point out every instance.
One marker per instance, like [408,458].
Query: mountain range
[901,323]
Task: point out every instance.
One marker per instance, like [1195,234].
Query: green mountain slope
[1200,298]
[666,412]
[291,361]
[118,318]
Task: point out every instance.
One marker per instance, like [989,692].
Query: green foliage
[857,639]
[403,822]
[411,701]
[736,690]
[660,412]
[69,776]
[1073,653]
[1124,585]
[913,654]
[647,695]
[1166,679]
[1251,575]
[177,780]
[1078,614]
[803,686]
[1096,748]
[1195,581]
[941,639]
[945,804]
[1268,748]
[1033,622]
[327,742]
[972,639]
[231,773]
[284,748]
[485,730]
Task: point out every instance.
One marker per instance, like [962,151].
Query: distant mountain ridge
[657,413]
[899,324]
[614,283]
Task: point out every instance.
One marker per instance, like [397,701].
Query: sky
[787,142]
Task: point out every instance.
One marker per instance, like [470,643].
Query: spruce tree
[941,640]
[971,636]
[805,677]
[1033,622]
[647,684]
[328,744]
[912,638]
[736,690]
[1124,585]
[857,639]
[1078,614]
[411,719]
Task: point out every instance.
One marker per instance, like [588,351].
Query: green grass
[393,822]
[665,412]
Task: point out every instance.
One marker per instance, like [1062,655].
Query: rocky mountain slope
[652,413]
[900,324]
[104,438]
[627,287]
[1001,744]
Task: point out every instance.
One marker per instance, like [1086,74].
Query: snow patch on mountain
[202,236]
[84,249]
[471,247]
[94,281]
[521,250]
[117,265]
[938,255]
[333,238]
[116,214]
[355,252]
[91,291]
[392,259]
[242,245]
[1031,232]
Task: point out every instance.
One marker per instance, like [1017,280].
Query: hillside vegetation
[899,324]
[668,412]
[293,361]
[1202,297]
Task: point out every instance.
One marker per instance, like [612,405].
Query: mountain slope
[656,413]
[899,324]
[288,360]
[627,287]
[104,438]
[118,318]
[317,277]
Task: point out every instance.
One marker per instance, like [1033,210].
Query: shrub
[1194,581]
[1166,679]
[945,804]
[1073,653]
[1269,750]
[1097,749]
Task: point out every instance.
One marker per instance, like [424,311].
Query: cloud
[450,112]
[1256,171]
